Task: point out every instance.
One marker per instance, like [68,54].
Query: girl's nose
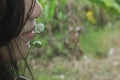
[37,10]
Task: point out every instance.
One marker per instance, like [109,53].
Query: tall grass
[98,42]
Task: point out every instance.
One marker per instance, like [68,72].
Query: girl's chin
[25,47]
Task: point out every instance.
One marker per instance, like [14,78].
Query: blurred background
[81,41]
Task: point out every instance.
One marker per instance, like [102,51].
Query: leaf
[60,15]
[108,3]
[116,6]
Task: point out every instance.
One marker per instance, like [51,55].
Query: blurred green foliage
[56,36]
[98,21]
[111,5]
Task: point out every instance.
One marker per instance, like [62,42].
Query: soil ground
[85,69]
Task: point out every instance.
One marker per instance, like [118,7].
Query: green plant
[45,77]
[56,37]
[112,5]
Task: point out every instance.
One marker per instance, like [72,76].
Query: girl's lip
[29,35]
[31,30]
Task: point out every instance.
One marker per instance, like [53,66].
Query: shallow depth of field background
[81,41]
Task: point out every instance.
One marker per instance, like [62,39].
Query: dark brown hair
[12,21]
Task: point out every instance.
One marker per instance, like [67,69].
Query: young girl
[16,29]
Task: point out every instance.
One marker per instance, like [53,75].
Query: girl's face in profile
[28,32]
[26,35]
